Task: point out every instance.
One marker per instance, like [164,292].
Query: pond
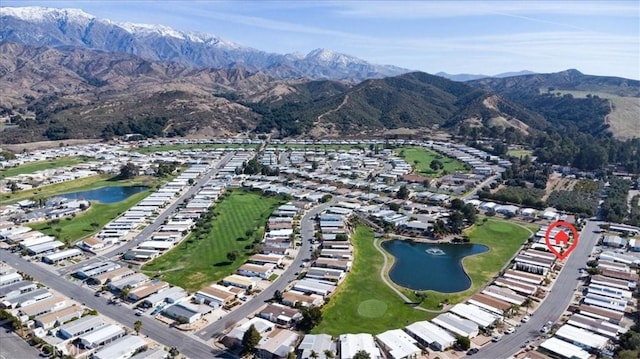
[428,266]
[109,194]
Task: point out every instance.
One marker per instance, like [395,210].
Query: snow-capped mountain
[54,27]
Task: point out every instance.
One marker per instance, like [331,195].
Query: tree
[310,318]
[250,340]
[457,204]
[277,296]
[527,303]
[361,354]
[436,165]
[232,256]
[128,171]
[329,354]
[403,192]
[174,352]
[463,342]
[313,354]
[137,326]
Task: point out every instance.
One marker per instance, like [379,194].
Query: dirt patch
[41,145]
[558,183]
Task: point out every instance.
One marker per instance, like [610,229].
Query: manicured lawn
[72,229]
[191,146]
[41,165]
[503,238]
[364,303]
[420,158]
[195,263]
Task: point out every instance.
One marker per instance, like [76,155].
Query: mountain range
[67,74]
[53,27]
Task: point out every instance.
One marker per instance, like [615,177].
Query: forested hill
[570,100]
[415,100]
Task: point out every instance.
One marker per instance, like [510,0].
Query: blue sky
[481,37]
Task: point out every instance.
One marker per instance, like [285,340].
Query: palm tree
[313,355]
[329,354]
[528,303]
[514,309]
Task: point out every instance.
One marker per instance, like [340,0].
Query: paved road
[556,302]
[479,187]
[306,231]
[146,233]
[14,347]
[186,344]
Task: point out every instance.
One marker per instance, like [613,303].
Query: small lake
[110,194]
[427,266]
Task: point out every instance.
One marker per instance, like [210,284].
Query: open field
[519,153]
[41,165]
[420,158]
[203,261]
[190,146]
[363,302]
[81,184]
[320,147]
[503,239]
[72,229]
[624,115]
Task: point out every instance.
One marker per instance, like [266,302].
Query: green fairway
[72,229]
[364,303]
[503,239]
[420,158]
[191,146]
[203,261]
[41,165]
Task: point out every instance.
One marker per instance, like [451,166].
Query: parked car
[473,351]
[510,330]
[496,338]
[525,319]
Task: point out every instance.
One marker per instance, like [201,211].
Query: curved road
[304,253]
[556,302]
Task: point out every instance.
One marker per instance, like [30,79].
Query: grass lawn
[503,238]
[41,165]
[190,146]
[319,147]
[195,263]
[72,229]
[519,153]
[364,303]
[420,158]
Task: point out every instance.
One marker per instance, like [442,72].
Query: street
[14,347]
[191,347]
[146,232]
[556,302]
[306,224]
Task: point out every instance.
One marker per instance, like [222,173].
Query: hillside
[75,93]
[597,105]
[416,101]
[40,26]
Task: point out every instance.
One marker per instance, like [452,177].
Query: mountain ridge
[39,26]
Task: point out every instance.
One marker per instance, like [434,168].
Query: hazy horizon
[456,37]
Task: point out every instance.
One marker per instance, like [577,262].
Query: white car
[525,319]
[510,330]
